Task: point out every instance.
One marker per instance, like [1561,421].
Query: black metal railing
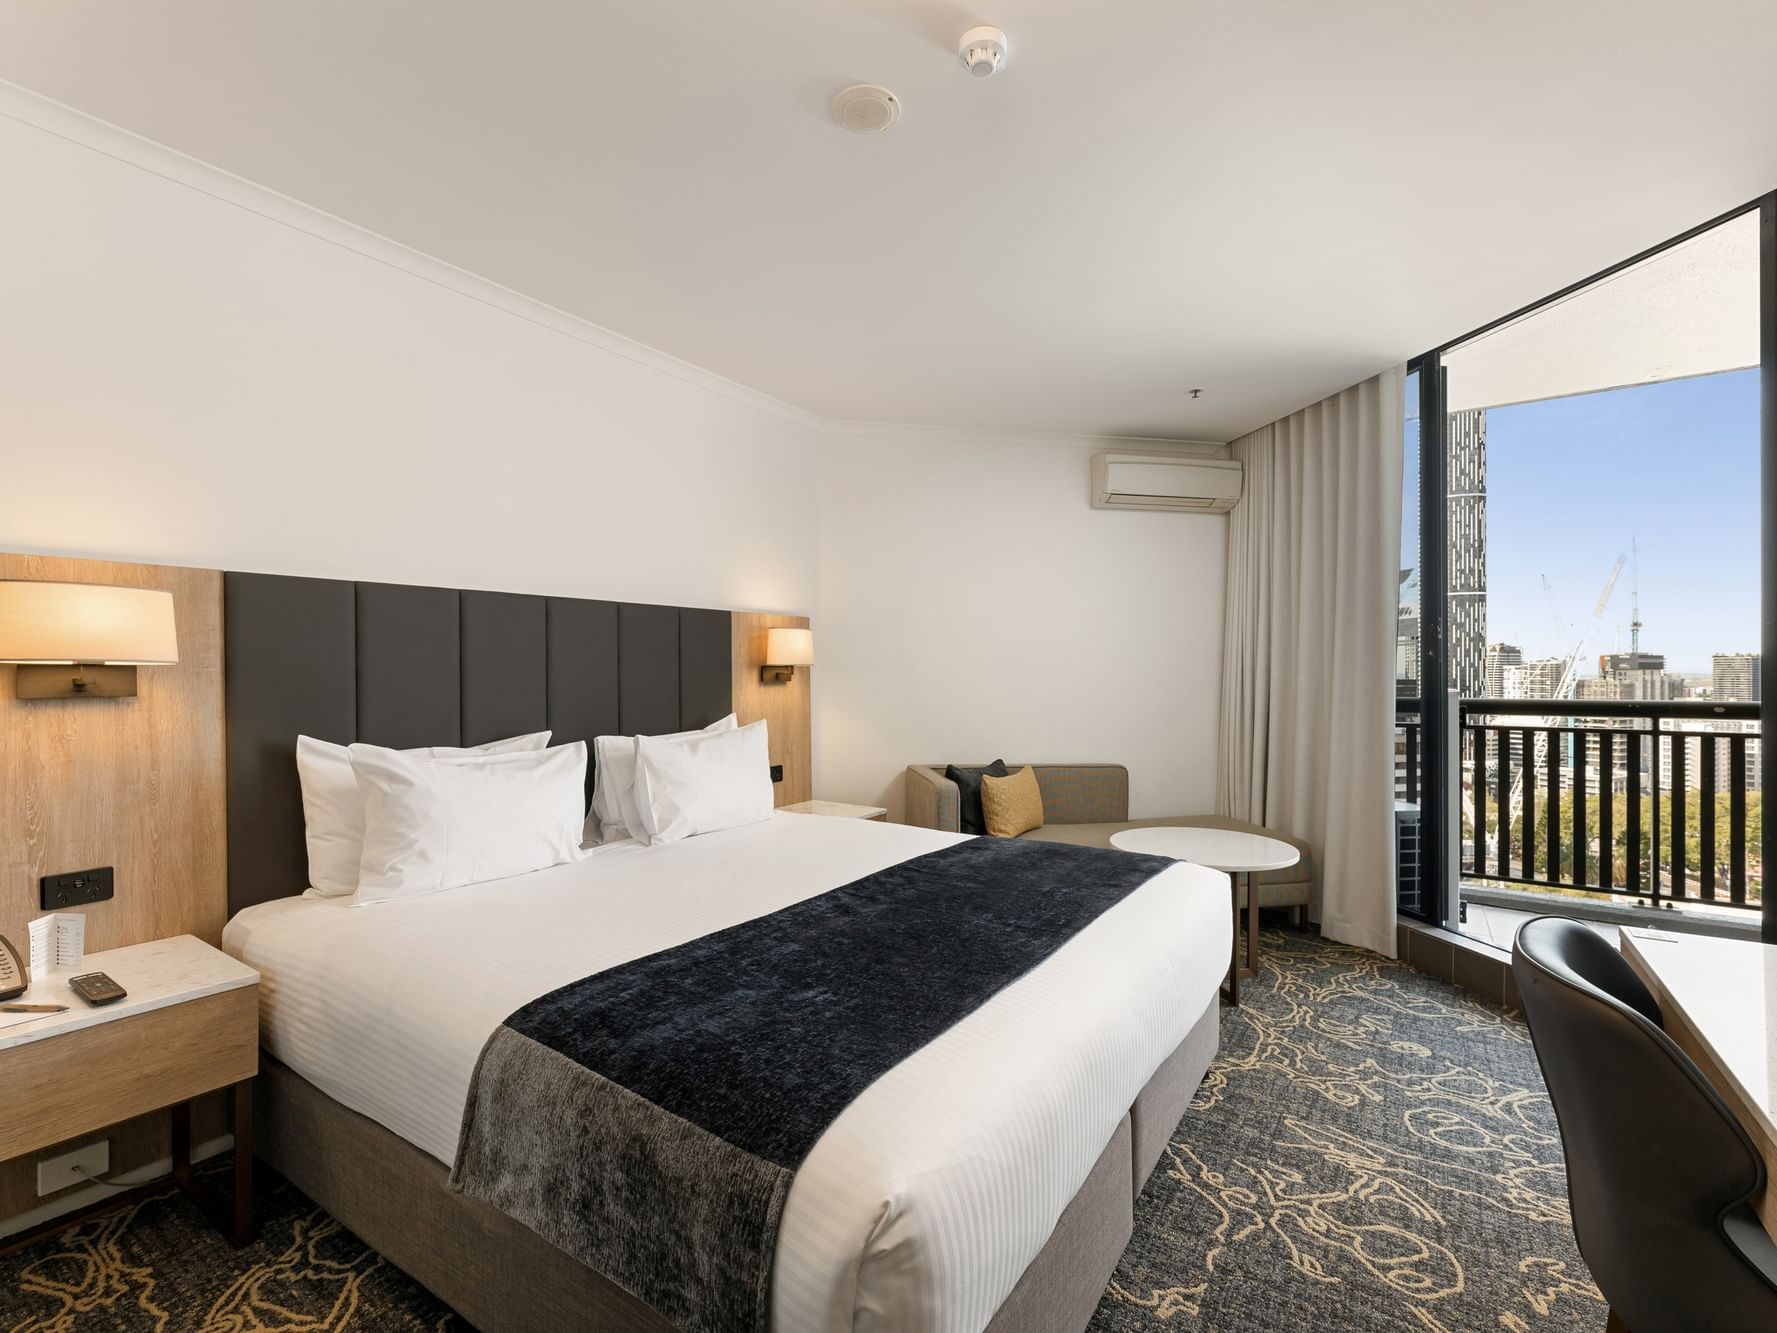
[1653,800]
[1406,750]
[1410,896]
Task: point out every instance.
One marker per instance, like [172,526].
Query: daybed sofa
[1086,804]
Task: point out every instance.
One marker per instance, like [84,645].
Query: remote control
[96,988]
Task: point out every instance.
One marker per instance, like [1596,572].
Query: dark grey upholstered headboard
[404,666]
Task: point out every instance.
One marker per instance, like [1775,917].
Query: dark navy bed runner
[648,1119]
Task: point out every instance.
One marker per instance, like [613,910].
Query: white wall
[975,606]
[195,371]
[186,380]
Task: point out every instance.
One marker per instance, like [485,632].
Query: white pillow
[701,783]
[333,808]
[433,824]
[614,813]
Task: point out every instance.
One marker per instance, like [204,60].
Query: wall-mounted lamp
[84,640]
[785,650]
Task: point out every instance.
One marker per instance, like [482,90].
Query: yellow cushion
[1012,805]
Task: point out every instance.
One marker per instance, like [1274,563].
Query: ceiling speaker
[866,108]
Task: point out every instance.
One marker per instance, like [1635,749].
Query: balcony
[1601,806]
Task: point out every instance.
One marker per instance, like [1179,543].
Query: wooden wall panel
[131,783]
[786,708]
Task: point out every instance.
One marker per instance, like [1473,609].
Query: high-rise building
[1499,657]
[1406,651]
[1466,552]
[1535,679]
[1621,676]
[1736,676]
[1539,678]
[1593,687]
[1467,485]
[1638,676]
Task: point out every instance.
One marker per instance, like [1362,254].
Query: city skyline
[1572,482]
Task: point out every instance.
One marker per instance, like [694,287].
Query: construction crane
[1634,594]
[1535,761]
[1609,587]
[1564,688]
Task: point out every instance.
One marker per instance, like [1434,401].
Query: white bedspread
[923,1203]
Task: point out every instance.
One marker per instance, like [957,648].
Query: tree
[1621,854]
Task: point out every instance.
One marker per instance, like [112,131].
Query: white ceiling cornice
[66,122]
[89,132]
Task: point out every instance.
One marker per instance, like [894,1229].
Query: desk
[1719,1000]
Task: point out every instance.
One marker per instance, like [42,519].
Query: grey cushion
[968,786]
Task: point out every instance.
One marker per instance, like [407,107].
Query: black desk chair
[1659,1172]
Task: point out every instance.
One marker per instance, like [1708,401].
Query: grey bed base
[504,1278]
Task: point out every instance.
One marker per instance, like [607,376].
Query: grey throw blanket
[648,1119]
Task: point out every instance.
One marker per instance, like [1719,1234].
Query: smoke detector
[866,108]
[983,51]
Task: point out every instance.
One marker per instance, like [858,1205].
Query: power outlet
[777,772]
[58,1173]
[77,888]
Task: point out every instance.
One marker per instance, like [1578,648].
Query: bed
[986,1182]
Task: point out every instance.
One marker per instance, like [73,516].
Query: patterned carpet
[1372,1151]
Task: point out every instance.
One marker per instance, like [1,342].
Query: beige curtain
[1307,721]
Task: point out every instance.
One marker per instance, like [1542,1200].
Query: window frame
[1438,888]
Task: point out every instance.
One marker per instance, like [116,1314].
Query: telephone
[15,976]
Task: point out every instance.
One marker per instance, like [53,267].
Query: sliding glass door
[1410,900]
[1583,629]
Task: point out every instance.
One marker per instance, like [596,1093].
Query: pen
[33,1008]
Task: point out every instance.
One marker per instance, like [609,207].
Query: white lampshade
[789,647]
[54,623]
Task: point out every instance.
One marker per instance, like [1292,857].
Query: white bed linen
[922,1204]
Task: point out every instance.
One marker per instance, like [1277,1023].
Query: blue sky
[1571,481]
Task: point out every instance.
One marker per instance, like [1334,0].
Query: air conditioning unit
[1164,481]
[1408,899]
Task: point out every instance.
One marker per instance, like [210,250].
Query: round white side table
[1236,854]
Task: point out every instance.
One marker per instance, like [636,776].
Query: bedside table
[839,810]
[189,1025]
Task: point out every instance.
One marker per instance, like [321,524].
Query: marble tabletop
[836,809]
[156,974]
[1227,850]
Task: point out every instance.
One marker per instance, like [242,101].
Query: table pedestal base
[1242,969]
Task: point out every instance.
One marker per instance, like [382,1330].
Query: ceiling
[1267,200]
[1690,310]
